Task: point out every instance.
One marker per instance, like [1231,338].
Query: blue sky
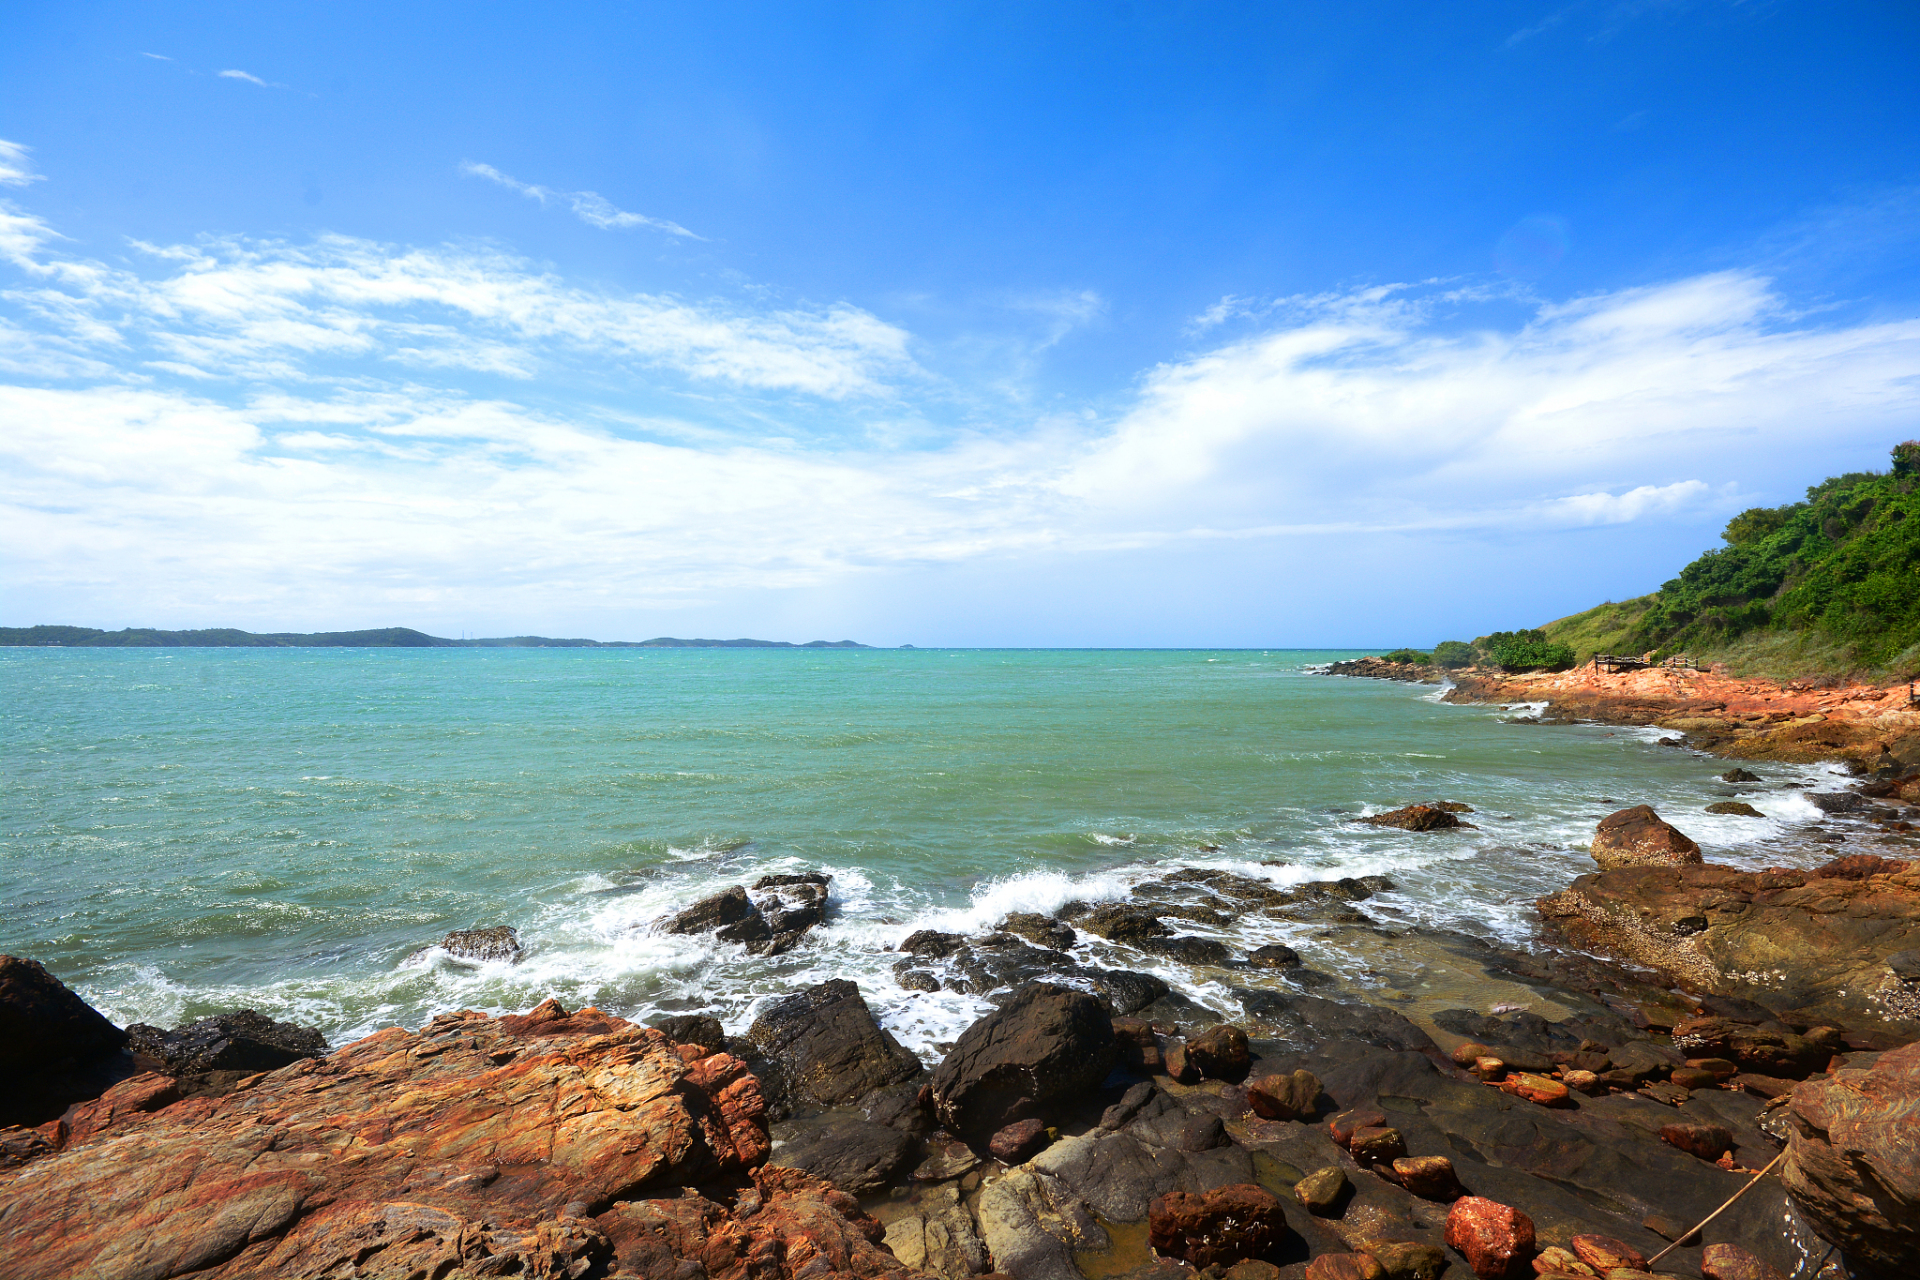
[968,324]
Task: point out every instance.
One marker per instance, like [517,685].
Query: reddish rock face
[1019,1141]
[1731,1262]
[479,1145]
[1346,1266]
[1853,1162]
[1604,1253]
[1638,837]
[1418,817]
[1495,1239]
[1222,1226]
[1708,1141]
[1221,1053]
[1291,1097]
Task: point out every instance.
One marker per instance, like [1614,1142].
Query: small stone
[1763,1086]
[1404,1260]
[1203,1133]
[1345,1266]
[1731,1262]
[1273,956]
[1581,1081]
[1342,1127]
[1735,808]
[1489,1068]
[1694,1078]
[1495,1239]
[1665,1091]
[1224,1225]
[1377,1145]
[1290,1097]
[1019,1141]
[1544,1090]
[1604,1254]
[1221,1053]
[1720,1068]
[1322,1191]
[1429,1177]
[1471,1052]
[1179,1067]
[1251,1269]
[1707,1141]
[1559,1261]
[1739,775]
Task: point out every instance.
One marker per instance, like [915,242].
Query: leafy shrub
[1525,651]
[1405,655]
[1754,524]
[1453,653]
[1906,458]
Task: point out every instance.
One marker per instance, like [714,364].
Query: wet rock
[730,906]
[1735,808]
[1019,1141]
[1179,1067]
[931,943]
[1707,1141]
[1323,1192]
[1136,1097]
[1604,1253]
[1838,802]
[828,1047]
[1032,1226]
[1202,1133]
[501,942]
[855,1155]
[1118,922]
[1376,1144]
[1495,1239]
[1273,956]
[1344,1125]
[1429,1177]
[787,907]
[899,1106]
[386,1152]
[1124,990]
[1047,1044]
[1853,1161]
[695,1028]
[942,1242]
[1307,1021]
[1542,1090]
[1554,1260]
[1406,1260]
[1221,1053]
[1417,817]
[1345,1266]
[1691,1078]
[1767,1048]
[1289,1097]
[240,1043]
[1221,1226]
[1638,837]
[1731,1262]
[1188,949]
[1739,775]
[1041,931]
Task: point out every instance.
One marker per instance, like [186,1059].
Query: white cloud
[590,207]
[15,169]
[157,57]
[242,75]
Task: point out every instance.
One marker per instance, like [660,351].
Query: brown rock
[1495,1239]
[1731,1262]
[1762,1086]
[1472,1051]
[1561,1261]
[1544,1090]
[1019,1141]
[1429,1177]
[1637,837]
[1251,1269]
[1707,1141]
[1221,1053]
[1045,1045]
[1322,1191]
[472,1146]
[55,1048]
[1719,1068]
[1581,1081]
[1290,1097]
[1377,1145]
[1604,1254]
[1179,1067]
[1694,1078]
[830,1049]
[1405,1260]
[1344,1125]
[1853,1161]
[1220,1226]
[1489,1067]
[1345,1266]
[1417,817]
[1770,1049]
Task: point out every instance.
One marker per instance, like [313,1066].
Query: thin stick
[1688,1235]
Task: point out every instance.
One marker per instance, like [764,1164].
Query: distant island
[46,637]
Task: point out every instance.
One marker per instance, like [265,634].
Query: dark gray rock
[695,1028]
[856,1155]
[243,1041]
[1049,1045]
[828,1048]
[1274,955]
[500,942]
[1041,931]
[931,943]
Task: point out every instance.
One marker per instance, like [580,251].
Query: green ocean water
[188,831]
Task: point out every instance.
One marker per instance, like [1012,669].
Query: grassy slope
[1825,587]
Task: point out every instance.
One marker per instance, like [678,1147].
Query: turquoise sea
[187,831]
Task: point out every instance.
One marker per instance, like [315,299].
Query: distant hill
[383,638]
[1826,586]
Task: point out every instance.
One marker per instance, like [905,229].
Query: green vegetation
[1830,585]
[1524,651]
[1407,655]
[1453,653]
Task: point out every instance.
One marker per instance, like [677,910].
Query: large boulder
[478,1146]
[770,921]
[1418,817]
[55,1048]
[1820,946]
[1218,1227]
[499,942]
[1046,1045]
[1853,1161]
[1639,837]
[828,1047]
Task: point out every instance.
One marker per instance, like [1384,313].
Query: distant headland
[45,637]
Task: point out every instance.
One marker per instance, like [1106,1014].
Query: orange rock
[1581,1081]
[1604,1254]
[1471,1052]
[1554,1260]
[1495,1239]
[1544,1090]
[1346,1266]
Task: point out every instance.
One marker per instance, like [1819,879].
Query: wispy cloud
[242,75]
[157,57]
[590,207]
[15,168]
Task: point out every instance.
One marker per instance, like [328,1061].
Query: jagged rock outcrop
[1046,1044]
[499,942]
[545,1144]
[1853,1162]
[769,921]
[827,1048]
[1639,837]
[222,1048]
[55,1048]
